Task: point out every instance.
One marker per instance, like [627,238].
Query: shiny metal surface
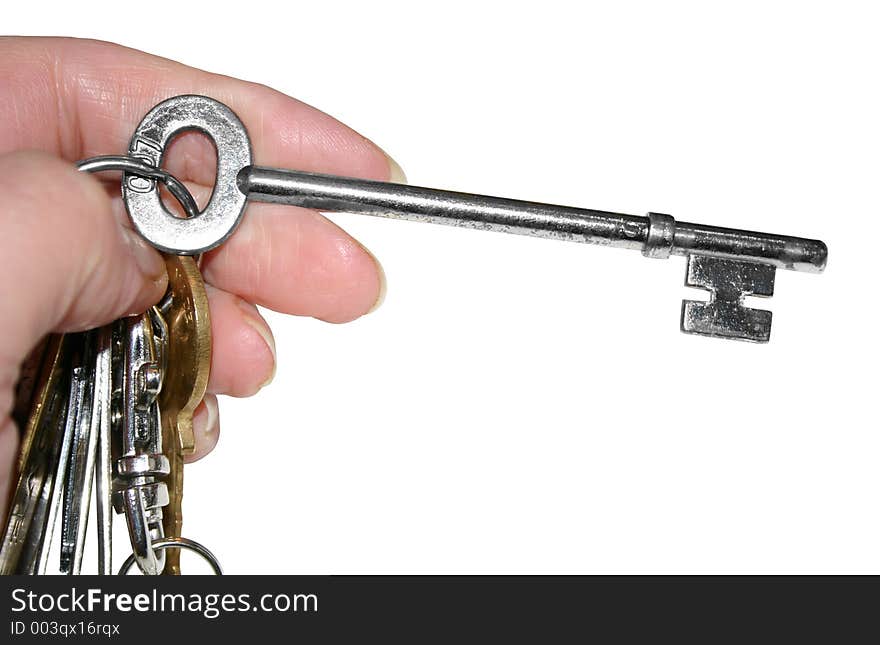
[728,282]
[661,236]
[77,410]
[138,168]
[101,420]
[398,201]
[80,469]
[140,465]
[178,543]
[220,217]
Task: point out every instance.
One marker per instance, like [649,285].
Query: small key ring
[179,542]
[135,166]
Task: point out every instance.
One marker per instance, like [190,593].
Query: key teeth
[736,323]
[724,315]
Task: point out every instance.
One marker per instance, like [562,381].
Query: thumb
[69,265]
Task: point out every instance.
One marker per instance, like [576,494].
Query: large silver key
[729,263]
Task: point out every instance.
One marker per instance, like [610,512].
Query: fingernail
[206,423]
[265,333]
[147,258]
[395,172]
[383,280]
[213,415]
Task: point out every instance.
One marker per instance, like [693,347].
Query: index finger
[80,98]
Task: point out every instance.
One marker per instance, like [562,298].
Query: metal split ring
[140,168]
[182,543]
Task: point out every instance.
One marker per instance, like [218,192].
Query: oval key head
[220,217]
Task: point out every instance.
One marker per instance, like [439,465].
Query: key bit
[728,282]
[656,236]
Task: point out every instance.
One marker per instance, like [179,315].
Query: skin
[71,259]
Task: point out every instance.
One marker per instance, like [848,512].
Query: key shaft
[656,235]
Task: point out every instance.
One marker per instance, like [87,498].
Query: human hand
[73,261]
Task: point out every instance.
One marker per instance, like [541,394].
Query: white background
[521,405]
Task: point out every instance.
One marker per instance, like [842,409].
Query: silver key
[90,460]
[77,418]
[80,468]
[101,417]
[730,263]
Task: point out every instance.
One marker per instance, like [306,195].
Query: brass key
[188,356]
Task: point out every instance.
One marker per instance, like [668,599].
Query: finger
[206,428]
[73,267]
[243,356]
[289,261]
[84,98]
[295,261]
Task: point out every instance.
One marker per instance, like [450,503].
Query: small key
[77,490]
[188,356]
[78,419]
[102,426]
[656,236]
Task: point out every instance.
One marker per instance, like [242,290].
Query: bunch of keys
[111,408]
